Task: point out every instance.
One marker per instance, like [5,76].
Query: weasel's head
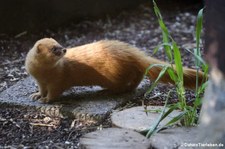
[48,50]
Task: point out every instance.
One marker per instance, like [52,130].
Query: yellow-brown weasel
[113,65]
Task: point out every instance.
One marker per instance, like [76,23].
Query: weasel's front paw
[35,96]
[44,100]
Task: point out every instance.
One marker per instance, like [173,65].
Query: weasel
[114,65]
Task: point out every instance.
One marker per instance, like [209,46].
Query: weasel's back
[110,62]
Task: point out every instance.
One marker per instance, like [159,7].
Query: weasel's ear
[39,48]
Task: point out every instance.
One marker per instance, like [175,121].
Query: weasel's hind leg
[127,83]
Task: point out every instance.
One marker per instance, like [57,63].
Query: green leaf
[153,129]
[156,9]
[205,68]
[197,50]
[165,32]
[153,65]
[199,58]
[170,110]
[172,74]
[153,111]
[159,46]
[162,72]
[176,118]
[197,102]
[199,29]
[197,61]
[202,88]
[178,62]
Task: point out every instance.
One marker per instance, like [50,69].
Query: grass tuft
[188,115]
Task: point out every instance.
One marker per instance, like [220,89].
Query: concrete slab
[135,118]
[86,103]
[179,138]
[114,138]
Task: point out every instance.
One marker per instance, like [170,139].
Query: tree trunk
[212,124]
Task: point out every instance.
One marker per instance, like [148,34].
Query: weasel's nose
[64,50]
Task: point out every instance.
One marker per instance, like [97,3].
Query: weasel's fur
[114,65]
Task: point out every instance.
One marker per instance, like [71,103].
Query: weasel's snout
[64,50]
[58,50]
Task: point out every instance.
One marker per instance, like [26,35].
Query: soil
[22,128]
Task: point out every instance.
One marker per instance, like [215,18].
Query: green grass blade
[170,110]
[165,32]
[156,10]
[153,129]
[176,119]
[205,69]
[199,58]
[202,88]
[167,48]
[199,29]
[155,50]
[197,61]
[197,102]
[154,111]
[178,62]
[172,74]
[153,65]
[162,72]
[197,50]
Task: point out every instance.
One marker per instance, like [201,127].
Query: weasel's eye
[54,49]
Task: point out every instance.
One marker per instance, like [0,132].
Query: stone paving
[79,102]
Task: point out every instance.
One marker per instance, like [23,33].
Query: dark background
[17,16]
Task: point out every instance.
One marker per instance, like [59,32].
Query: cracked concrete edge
[177,137]
[89,104]
[59,111]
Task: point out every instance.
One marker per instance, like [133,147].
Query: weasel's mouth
[58,51]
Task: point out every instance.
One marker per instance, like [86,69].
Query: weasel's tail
[189,75]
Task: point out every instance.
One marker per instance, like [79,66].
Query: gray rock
[114,138]
[135,118]
[213,111]
[175,138]
[89,103]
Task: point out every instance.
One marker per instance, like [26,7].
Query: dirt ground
[22,128]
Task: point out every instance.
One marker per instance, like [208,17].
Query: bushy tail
[189,75]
